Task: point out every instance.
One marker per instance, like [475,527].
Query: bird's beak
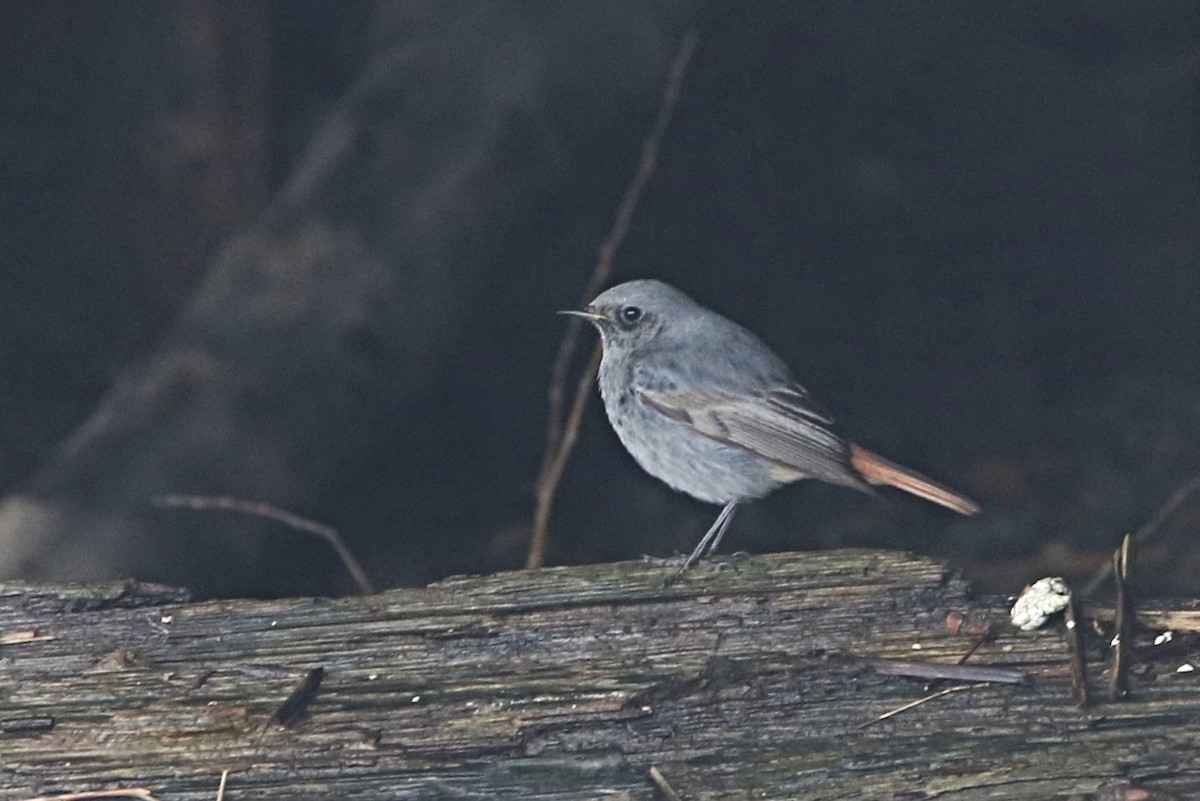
[590,316]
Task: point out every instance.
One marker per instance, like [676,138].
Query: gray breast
[676,454]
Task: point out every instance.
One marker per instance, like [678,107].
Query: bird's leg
[720,526]
[708,543]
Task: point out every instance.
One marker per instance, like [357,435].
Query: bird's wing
[795,399]
[778,424]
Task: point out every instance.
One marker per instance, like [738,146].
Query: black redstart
[702,404]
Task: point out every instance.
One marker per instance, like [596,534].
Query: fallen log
[760,680]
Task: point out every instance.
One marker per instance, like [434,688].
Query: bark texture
[570,683]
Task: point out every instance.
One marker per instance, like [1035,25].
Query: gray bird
[703,405]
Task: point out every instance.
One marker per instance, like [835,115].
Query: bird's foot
[686,564]
[665,561]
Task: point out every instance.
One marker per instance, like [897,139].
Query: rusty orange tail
[879,471]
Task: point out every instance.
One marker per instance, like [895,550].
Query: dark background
[309,253]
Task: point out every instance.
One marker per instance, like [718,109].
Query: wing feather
[780,425]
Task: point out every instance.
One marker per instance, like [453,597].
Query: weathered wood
[569,683]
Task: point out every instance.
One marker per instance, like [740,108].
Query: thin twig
[221,786]
[294,705]
[548,483]
[1118,680]
[942,672]
[660,781]
[266,510]
[1079,682]
[1147,530]
[140,793]
[912,704]
[562,430]
[1164,619]
[986,636]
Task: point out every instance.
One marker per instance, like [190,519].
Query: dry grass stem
[1147,529]
[562,429]
[664,786]
[913,704]
[942,672]
[266,510]
[139,793]
[1118,680]
[1077,656]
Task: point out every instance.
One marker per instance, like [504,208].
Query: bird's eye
[630,315]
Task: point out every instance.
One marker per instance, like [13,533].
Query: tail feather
[879,471]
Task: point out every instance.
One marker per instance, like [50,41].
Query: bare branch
[562,430]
